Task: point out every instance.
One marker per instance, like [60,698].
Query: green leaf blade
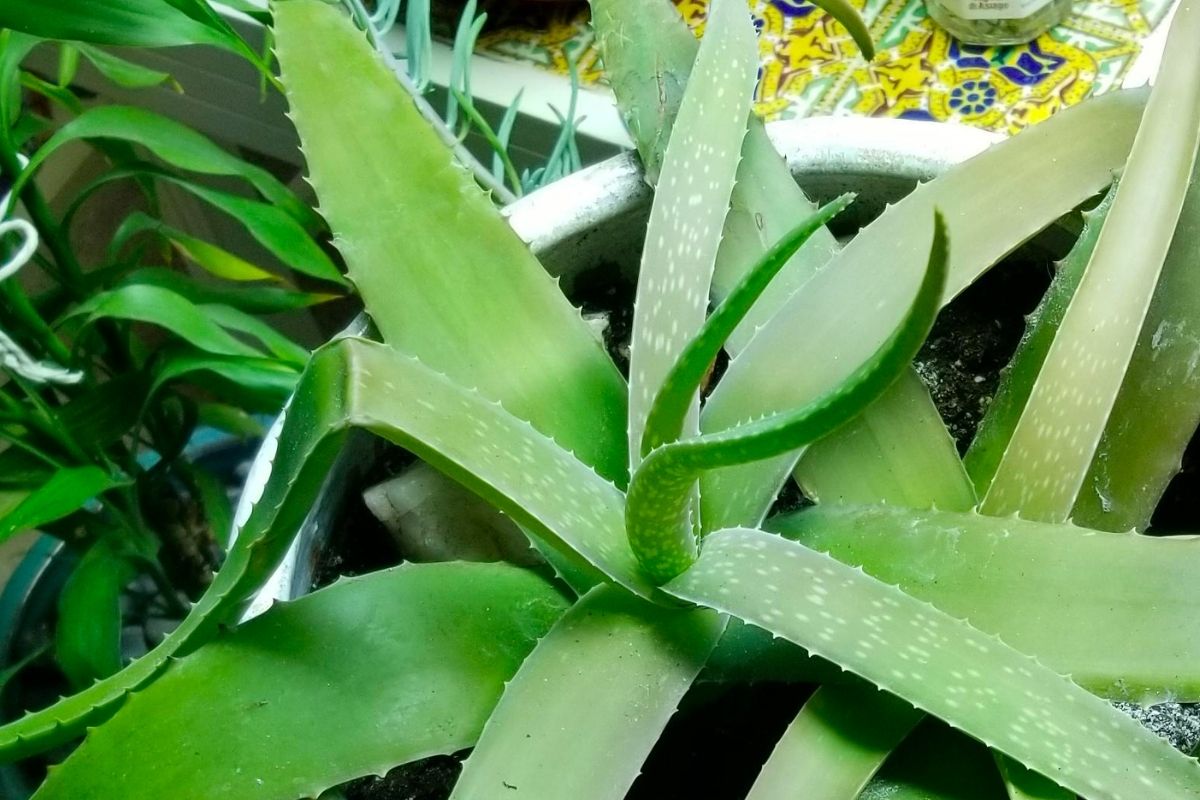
[87,638]
[412,634]
[64,493]
[942,665]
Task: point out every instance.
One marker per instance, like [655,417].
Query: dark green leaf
[353,680]
[214,499]
[260,375]
[276,343]
[106,412]
[230,419]
[64,493]
[88,636]
[137,23]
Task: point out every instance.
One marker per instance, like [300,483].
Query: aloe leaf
[1077,599]
[1052,446]
[1017,380]
[872,459]
[937,763]
[255,299]
[166,309]
[478,307]
[433,642]
[941,664]
[66,491]
[1023,783]
[689,209]
[610,672]
[87,637]
[849,294]
[678,391]
[174,143]
[1129,474]
[835,744]
[658,515]
[648,56]
[355,383]
[121,71]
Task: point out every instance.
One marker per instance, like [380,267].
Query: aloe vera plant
[649,504]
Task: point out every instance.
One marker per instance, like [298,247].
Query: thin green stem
[493,140]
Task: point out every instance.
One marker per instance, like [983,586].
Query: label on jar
[994,9]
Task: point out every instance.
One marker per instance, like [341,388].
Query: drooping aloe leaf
[174,143]
[1077,599]
[356,383]
[1140,449]
[477,307]
[872,459]
[657,514]
[679,388]
[938,662]
[254,299]
[430,646]
[610,673]
[1054,442]
[689,209]
[1017,379]
[156,306]
[850,294]
[64,493]
[835,744]
[87,636]
[121,71]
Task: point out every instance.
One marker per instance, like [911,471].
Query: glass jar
[997,21]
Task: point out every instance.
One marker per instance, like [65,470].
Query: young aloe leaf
[938,663]
[689,209]
[850,295]
[872,459]
[657,514]
[166,309]
[1055,440]
[434,642]
[174,143]
[648,56]
[610,672]
[478,307]
[255,299]
[121,71]
[87,638]
[678,392]
[1129,473]
[1076,599]
[836,743]
[1016,382]
[64,493]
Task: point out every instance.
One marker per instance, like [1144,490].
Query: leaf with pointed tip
[1129,474]
[256,299]
[938,663]
[835,744]
[467,297]
[275,343]
[689,209]
[851,294]
[121,71]
[1017,379]
[174,143]
[354,383]
[1048,455]
[679,388]
[658,514]
[433,642]
[264,377]
[213,259]
[134,23]
[610,672]
[1079,600]
[64,493]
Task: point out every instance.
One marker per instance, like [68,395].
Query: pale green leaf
[122,71]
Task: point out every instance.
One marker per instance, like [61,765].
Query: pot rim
[567,210]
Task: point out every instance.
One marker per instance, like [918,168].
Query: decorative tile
[811,66]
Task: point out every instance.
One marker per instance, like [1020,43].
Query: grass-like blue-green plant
[895,591]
